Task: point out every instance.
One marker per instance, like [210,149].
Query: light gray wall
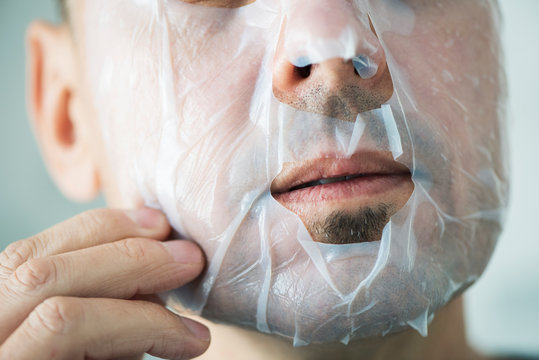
[502,309]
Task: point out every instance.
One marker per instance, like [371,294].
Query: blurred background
[502,309]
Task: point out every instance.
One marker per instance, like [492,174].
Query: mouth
[369,187]
[328,181]
[319,188]
[332,173]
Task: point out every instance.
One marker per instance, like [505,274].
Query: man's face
[240,120]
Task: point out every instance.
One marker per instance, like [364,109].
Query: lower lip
[366,186]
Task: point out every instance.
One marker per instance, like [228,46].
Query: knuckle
[14,256]
[33,275]
[55,315]
[134,248]
[156,312]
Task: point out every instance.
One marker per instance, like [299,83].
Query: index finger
[91,228]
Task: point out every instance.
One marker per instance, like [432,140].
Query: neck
[446,340]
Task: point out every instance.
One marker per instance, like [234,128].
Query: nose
[337,87]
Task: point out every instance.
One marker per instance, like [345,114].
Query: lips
[366,172]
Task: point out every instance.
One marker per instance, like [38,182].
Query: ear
[56,109]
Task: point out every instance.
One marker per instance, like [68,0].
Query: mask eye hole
[220,3]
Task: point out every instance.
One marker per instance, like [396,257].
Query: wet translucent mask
[277,135]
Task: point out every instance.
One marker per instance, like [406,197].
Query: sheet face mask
[199,121]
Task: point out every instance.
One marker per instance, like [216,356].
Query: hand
[64,293]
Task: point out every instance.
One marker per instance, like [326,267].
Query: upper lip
[294,175]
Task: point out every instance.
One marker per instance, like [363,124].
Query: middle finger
[117,270]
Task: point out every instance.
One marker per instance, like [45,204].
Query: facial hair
[347,227]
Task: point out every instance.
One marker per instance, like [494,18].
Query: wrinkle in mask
[185,95]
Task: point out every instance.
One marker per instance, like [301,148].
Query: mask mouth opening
[344,200]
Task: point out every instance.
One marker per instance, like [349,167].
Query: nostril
[303,71]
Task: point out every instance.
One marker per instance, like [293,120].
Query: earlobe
[57,111]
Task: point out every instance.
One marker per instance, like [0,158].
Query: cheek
[213,92]
[453,76]
[453,72]
[184,80]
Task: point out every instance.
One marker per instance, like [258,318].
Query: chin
[357,291]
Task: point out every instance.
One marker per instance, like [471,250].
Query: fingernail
[184,251]
[146,217]
[197,329]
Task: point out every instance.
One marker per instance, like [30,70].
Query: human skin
[55,308]
[453,84]
[77,158]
